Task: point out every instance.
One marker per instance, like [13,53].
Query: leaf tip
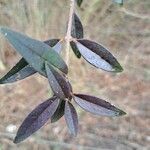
[121,113]
[118,68]
[17,140]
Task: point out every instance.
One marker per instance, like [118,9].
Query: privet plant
[44,58]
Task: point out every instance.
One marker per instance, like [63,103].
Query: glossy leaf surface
[97,106]
[57,82]
[36,119]
[59,112]
[34,51]
[71,118]
[98,56]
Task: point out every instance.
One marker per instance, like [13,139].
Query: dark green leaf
[71,118]
[34,51]
[77,28]
[98,55]
[97,106]
[79,2]
[57,82]
[36,119]
[59,112]
[75,49]
[20,71]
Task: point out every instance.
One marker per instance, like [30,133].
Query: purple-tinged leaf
[71,118]
[59,112]
[35,52]
[57,82]
[77,28]
[36,119]
[97,106]
[98,55]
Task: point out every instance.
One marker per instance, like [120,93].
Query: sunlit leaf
[77,28]
[98,55]
[75,49]
[59,112]
[34,51]
[79,2]
[36,119]
[57,82]
[71,118]
[97,106]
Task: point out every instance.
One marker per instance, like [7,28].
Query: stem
[68,34]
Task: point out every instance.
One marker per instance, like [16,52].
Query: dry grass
[126,33]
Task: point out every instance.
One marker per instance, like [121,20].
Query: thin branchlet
[68,34]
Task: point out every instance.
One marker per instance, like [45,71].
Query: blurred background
[125,31]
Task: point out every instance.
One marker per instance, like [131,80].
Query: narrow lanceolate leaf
[71,118]
[98,55]
[34,51]
[36,119]
[97,106]
[22,69]
[79,2]
[57,82]
[75,49]
[59,112]
[76,32]
[77,28]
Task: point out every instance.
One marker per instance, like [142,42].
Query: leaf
[22,69]
[79,2]
[77,28]
[71,118]
[56,44]
[34,51]
[59,112]
[76,32]
[119,1]
[57,82]
[97,106]
[36,119]
[98,55]
[52,42]
[75,49]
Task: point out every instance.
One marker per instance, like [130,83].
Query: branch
[68,35]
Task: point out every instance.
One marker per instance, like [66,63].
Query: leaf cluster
[45,58]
